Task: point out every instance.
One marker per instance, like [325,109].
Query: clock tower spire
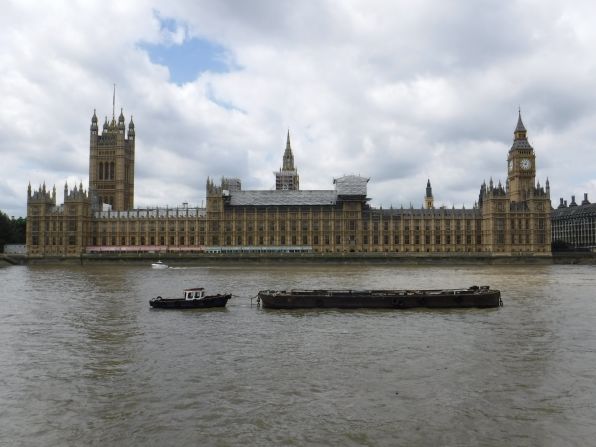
[521,162]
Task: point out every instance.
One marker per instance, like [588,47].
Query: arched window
[112,171]
[100,170]
[106,170]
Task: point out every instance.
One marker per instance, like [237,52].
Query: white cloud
[391,90]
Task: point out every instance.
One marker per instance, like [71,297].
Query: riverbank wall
[569,258]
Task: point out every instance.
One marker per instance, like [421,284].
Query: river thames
[85,361]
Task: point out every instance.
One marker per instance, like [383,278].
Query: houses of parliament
[507,220]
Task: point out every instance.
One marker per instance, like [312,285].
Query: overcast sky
[397,91]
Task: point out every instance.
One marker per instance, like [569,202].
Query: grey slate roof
[573,212]
[280,198]
[351,185]
[521,144]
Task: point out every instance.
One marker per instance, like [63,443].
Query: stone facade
[507,220]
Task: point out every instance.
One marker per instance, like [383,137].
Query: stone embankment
[323,258]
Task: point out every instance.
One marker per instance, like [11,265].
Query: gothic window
[100,170]
[112,171]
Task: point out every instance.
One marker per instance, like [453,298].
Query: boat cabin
[194,294]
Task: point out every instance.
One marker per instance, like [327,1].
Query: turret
[585,201]
[121,125]
[131,129]
[94,122]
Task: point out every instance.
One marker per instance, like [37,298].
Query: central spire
[288,159]
[287,177]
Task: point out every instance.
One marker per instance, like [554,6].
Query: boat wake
[188,268]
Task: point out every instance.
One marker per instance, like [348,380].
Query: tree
[12,231]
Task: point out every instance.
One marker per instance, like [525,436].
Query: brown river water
[85,361]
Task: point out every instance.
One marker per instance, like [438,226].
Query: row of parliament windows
[71,225]
[106,170]
[56,241]
[272,229]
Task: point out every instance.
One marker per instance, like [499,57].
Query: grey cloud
[391,90]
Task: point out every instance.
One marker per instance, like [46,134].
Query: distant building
[573,225]
[507,220]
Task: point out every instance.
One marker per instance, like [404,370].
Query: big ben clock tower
[521,163]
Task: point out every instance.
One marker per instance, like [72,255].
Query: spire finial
[114,103]
[520,129]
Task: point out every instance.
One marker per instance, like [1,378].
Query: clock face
[525,164]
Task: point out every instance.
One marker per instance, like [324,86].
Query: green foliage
[12,231]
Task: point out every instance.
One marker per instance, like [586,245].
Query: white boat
[159,265]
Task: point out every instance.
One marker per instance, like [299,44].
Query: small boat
[159,265]
[381,299]
[193,298]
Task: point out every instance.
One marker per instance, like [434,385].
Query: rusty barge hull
[381,299]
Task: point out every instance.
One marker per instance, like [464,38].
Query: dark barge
[193,299]
[381,299]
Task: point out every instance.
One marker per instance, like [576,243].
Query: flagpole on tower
[114,103]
